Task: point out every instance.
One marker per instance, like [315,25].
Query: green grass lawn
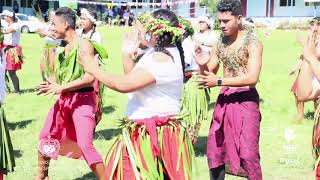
[26,114]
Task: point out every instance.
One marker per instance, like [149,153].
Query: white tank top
[163,97]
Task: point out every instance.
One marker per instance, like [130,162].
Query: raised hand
[309,51]
[131,43]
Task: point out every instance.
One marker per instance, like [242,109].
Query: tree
[212,7]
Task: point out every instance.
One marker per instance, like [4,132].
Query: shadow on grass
[200,147]
[88,176]
[211,105]
[108,109]
[19,125]
[309,115]
[31,90]
[261,100]
[106,134]
[17,153]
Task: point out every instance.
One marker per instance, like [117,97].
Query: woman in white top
[6,154]
[88,25]
[12,49]
[153,143]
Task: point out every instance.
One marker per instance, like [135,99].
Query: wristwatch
[219,81]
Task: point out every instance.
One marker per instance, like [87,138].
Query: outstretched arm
[130,82]
[9,30]
[44,33]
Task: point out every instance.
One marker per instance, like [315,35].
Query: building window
[287,2]
[26,3]
[312,3]
[154,1]
[136,1]
[8,2]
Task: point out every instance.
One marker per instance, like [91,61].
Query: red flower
[180,26]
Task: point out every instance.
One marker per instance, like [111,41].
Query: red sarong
[71,121]
[234,133]
[14,57]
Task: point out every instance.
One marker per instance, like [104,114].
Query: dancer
[233,139]
[153,144]
[205,38]
[308,86]
[194,101]
[87,29]
[12,49]
[70,124]
[88,23]
[309,92]
[6,154]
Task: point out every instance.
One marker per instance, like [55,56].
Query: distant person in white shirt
[88,23]
[12,49]
[188,46]
[206,38]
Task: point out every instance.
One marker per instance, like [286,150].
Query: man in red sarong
[233,140]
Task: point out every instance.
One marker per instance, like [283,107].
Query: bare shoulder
[161,57]
[256,43]
[86,46]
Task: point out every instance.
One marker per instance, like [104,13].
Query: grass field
[26,114]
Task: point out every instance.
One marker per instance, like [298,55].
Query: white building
[184,8]
[280,8]
[25,6]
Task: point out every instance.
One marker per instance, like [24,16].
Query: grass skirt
[7,162]
[134,156]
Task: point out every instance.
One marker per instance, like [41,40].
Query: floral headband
[158,27]
[187,26]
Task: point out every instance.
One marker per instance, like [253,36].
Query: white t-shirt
[12,38]
[95,37]
[163,97]
[189,55]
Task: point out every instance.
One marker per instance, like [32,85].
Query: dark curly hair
[233,6]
